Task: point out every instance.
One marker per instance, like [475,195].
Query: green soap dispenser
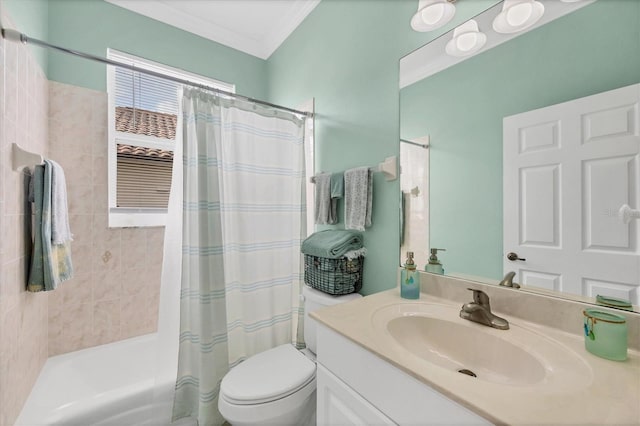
[434,266]
[409,279]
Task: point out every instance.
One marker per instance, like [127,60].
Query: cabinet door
[338,404]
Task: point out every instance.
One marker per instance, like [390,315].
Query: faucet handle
[480,297]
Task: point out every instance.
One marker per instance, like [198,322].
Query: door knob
[514,256]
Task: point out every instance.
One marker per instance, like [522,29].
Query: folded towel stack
[333,261]
[332,243]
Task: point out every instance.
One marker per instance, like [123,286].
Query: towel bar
[22,158]
[389,167]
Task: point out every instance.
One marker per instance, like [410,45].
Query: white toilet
[278,386]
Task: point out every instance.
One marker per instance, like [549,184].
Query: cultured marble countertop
[611,395]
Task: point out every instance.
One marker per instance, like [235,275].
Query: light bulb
[519,14]
[466,42]
[432,14]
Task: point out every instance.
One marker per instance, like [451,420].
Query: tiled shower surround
[115,290]
[114,293]
[23,315]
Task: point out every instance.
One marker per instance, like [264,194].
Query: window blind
[145,108]
[145,92]
[145,105]
[143,182]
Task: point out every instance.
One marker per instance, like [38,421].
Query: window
[143,118]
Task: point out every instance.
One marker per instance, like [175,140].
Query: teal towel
[337,192]
[337,185]
[36,271]
[51,263]
[332,243]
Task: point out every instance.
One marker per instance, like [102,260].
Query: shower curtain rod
[13,35]
[421,145]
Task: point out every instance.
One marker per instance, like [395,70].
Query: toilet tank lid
[268,376]
[327,299]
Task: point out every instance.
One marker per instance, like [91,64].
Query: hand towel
[323,199]
[57,257]
[331,243]
[358,195]
[60,230]
[337,191]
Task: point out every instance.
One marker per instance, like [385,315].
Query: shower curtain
[240,226]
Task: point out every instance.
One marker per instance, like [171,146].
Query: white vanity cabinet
[357,387]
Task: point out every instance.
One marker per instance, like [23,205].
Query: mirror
[533,148]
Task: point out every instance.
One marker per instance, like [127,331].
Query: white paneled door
[568,169]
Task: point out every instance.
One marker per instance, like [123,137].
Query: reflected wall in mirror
[570,151]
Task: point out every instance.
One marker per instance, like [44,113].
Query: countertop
[610,395]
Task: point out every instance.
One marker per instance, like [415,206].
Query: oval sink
[435,335]
[456,347]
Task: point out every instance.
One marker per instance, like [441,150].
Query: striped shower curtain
[243,220]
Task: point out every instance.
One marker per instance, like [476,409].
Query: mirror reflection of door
[568,168]
[414,185]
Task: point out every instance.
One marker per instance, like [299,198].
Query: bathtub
[105,385]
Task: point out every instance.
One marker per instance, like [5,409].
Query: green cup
[605,334]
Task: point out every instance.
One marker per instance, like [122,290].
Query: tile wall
[23,315]
[114,293]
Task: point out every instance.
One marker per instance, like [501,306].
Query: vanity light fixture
[467,40]
[432,14]
[517,15]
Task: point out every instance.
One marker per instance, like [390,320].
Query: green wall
[92,26]
[345,54]
[595,49]
[31,17]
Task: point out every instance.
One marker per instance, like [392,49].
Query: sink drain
[467,372]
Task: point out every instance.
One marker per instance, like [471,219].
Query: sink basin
[457,347]
[435,335]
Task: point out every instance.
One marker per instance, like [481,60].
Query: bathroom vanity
[386,360]
[354,386]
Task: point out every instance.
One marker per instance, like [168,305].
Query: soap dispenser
[434,266]
[409,279]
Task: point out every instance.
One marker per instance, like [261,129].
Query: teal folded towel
[332,243]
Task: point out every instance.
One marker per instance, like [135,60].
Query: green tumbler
[605,334]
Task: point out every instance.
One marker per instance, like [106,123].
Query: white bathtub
[111,384]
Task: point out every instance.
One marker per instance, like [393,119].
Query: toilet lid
[268,376]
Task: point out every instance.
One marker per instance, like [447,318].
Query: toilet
[278,386]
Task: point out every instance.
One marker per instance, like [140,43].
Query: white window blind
[143,121]
[145,105]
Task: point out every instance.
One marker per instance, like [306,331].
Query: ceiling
[256,27]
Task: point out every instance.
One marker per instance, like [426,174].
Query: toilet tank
[314,299]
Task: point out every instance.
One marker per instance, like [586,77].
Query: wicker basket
[333,276]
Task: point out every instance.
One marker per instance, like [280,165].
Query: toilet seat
[268,376]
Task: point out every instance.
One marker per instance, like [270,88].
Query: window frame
[140,216]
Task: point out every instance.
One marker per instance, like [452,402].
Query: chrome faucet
[480,311]
[507,281]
